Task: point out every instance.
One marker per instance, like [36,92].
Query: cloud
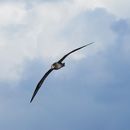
[29,1]
[20,35]
[120,9]
[11,13]
[29,33]
[47,30]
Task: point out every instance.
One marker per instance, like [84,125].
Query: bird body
[55,66]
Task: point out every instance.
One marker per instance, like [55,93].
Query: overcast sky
[92,91]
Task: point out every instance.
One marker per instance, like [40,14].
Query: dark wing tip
[35,92]
[73,51]
[39,84]
[31,100]
[32,97]
[89,43]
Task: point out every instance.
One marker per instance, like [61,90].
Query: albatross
[55,66]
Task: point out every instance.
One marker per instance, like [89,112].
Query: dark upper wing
[40,83]
[73,51]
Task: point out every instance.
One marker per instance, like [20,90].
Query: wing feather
[40,84]
[73,51]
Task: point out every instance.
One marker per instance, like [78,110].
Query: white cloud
[11,13]
[119,8]
[29,33]
[40,31]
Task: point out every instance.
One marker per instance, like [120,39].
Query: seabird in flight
[55,66]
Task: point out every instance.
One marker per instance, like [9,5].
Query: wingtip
[89,44]
[31,99]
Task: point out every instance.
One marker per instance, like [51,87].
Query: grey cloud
[121,27]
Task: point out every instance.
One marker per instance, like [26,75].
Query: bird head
[53,66]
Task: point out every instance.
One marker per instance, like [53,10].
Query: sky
[91,91]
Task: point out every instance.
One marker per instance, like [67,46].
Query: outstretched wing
[73,51]
[40,83]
